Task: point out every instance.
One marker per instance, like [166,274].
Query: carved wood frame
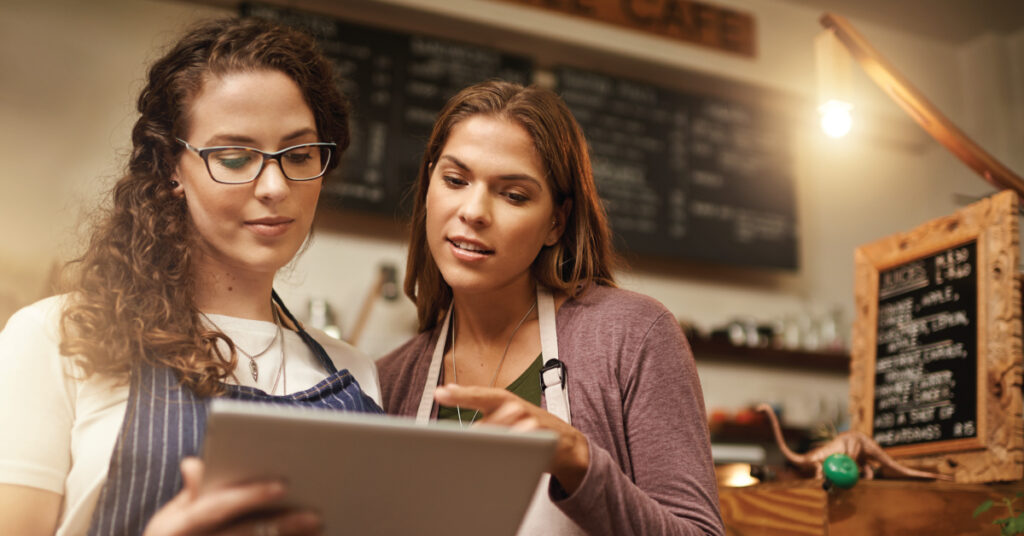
[997,452]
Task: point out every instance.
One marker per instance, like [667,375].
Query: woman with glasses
[104,388]
[510,267]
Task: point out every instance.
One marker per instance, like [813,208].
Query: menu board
[926,364]
[397,83]
[686,175]
[682,176]
[936,358]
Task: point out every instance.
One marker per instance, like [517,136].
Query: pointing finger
[485,399]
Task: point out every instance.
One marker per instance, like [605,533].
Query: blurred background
[714,126]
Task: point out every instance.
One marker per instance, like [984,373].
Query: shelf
[759,432]
[708,350]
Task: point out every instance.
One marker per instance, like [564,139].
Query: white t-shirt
[58,430]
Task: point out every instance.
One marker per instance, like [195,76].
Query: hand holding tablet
[379,475]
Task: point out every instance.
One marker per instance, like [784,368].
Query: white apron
[542,517]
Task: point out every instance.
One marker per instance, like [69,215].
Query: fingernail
[277,487]
[308,521]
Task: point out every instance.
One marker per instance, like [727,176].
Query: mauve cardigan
[634,393]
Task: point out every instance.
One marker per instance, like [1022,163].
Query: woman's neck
[484,319]
[227,293]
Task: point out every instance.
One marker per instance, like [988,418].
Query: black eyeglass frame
[205,152]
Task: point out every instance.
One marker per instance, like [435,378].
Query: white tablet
[370,474]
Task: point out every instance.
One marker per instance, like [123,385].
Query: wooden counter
[872,507]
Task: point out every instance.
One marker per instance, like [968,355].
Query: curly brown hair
[132,291]
[584,253]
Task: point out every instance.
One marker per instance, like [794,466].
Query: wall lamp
[834,47]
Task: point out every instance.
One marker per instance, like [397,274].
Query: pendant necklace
[504,354]
[254,369]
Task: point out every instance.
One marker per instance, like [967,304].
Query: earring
[174,184]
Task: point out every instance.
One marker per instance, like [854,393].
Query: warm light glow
[734,475]
[738,480]
[835,118]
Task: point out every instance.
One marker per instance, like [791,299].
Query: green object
[841,470]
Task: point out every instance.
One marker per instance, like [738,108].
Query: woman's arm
[35,422]
[673,490]
[28,511]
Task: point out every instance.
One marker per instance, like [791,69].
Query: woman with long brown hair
[511,269]
[104,388]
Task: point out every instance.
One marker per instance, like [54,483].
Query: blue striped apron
[165,422]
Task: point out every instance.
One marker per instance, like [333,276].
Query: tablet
[372,474]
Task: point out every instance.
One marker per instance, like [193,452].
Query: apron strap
[552,377]
[553,374]
[315,347]
[434,372]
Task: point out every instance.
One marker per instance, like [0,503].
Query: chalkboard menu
[681,175]
[397,83]
[936,358]
[926,362]
[685,175]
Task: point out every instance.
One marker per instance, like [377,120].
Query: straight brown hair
[583,255]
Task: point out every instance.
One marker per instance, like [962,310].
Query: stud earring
[174,184]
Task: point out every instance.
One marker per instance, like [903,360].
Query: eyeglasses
[239,165]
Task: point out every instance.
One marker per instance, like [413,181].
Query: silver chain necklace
[504,354]
[254,369]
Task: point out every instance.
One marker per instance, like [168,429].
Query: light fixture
[834,103]
[836,120]
[833,83]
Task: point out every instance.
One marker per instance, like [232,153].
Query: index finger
[485,399]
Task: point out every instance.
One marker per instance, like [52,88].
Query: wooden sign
[693,22]
[936,357]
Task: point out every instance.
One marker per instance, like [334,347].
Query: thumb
[191,475]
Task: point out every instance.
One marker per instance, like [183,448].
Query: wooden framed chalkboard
[936,355]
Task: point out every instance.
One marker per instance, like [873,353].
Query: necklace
[504,354]
[254,369]
[281,374]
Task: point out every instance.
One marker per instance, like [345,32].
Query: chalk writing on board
[397,83]
[684,175]
[926,360]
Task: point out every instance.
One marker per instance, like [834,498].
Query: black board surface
[927,355]
[397,83]
[682,176]
[685,175]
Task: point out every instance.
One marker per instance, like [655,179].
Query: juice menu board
[926,360]
[935,357]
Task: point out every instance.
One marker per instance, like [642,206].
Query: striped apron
[165,422]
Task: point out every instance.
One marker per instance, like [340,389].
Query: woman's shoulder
[348,357]
[31,340]
[341,352]
[600,302]
[407,354]
[41,316]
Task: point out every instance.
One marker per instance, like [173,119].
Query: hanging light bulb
[833,65]
[835,118]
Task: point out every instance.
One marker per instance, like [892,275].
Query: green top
[526,386]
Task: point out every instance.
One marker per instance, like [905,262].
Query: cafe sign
[692,22]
